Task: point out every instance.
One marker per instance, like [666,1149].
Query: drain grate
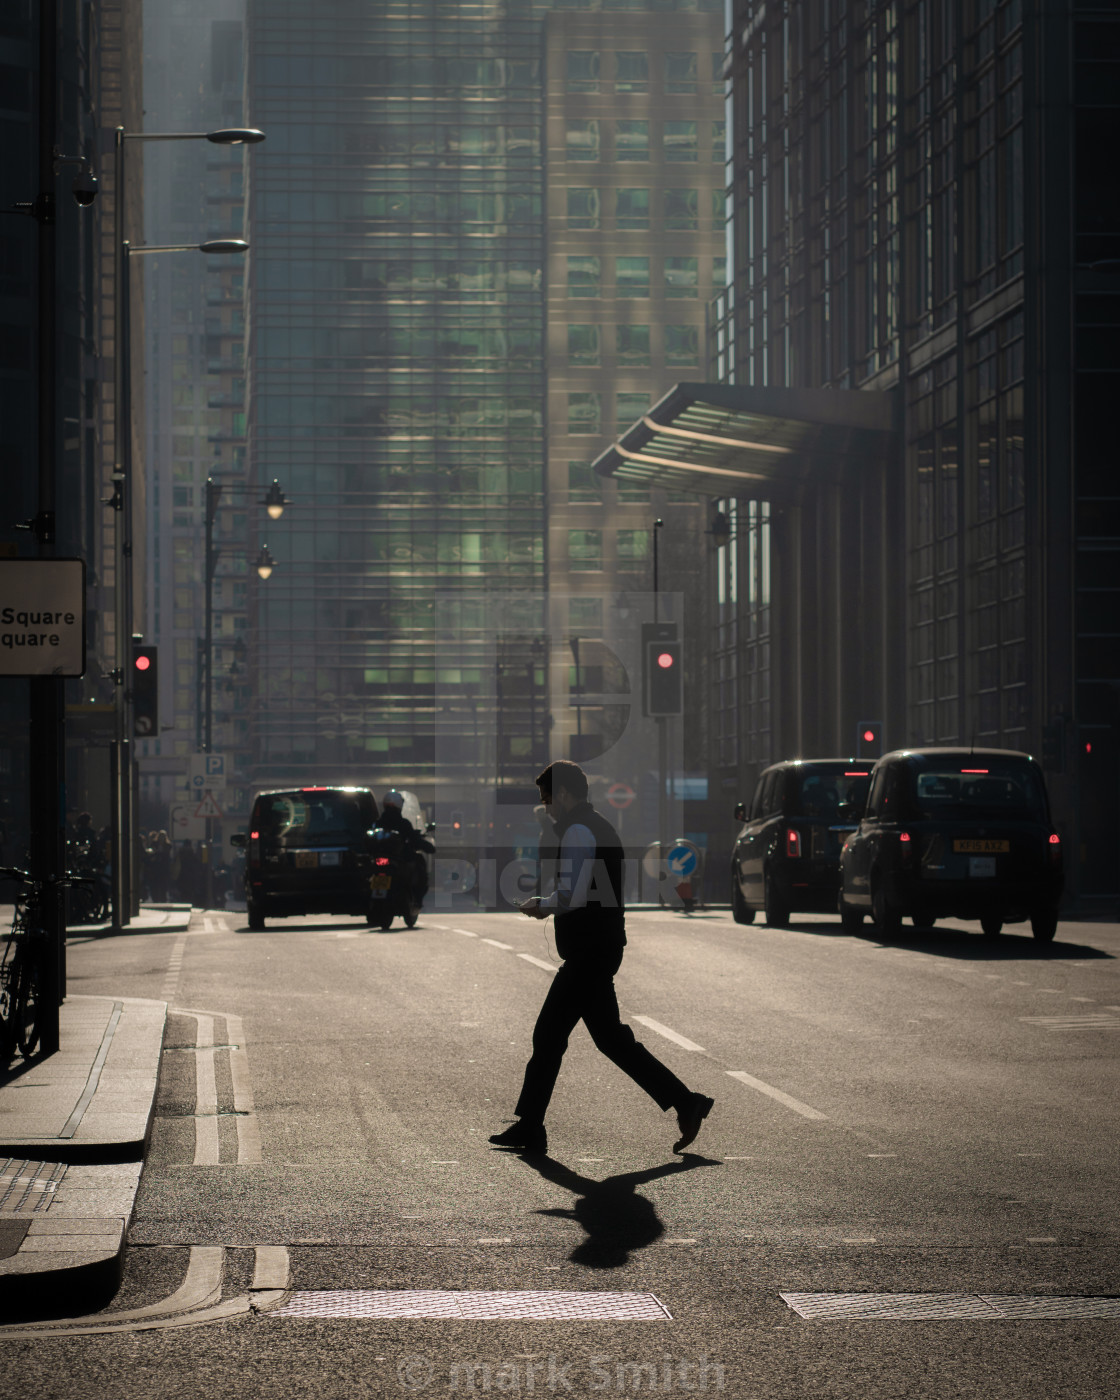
[27,1185]
[838,1307]
[528,1305]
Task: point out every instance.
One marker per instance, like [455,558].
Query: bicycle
[21,964]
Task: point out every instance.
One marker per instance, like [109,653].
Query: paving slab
[74,1127]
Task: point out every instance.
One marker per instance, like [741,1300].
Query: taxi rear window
[825,794]
[316,818]
[979,789]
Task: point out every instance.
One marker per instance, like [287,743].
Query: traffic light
[664,689]
[869,738]
[1054,745]
[145,692]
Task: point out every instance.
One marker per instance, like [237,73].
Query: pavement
[74,1127]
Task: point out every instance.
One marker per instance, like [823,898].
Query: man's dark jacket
[600,925]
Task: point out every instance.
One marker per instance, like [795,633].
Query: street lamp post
[274,502]
[121,500]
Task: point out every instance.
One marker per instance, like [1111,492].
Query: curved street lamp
[265,562]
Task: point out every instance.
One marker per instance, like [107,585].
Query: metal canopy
[723,440]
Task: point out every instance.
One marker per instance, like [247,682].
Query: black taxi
[958,833]
[787,856]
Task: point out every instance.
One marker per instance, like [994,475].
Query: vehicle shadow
[616,1218]
[950,940]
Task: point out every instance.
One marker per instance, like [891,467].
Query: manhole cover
[542,1305]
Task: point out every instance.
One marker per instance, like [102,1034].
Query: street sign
[206,772]
[208,807]
[682,860]
[185,826]
[42,617]
[620,796]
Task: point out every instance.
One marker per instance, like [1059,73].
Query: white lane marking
[1094,1021]
[882,1154]
[1090,999]
[248,1124]
[505,947]
[537,962]
[1042,1239]
[174,967]
[672,1035]
[783,1098]
[466,932]
[858,1239]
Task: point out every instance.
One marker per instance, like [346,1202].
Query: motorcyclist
[392,818]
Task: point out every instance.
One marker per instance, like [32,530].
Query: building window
[583,413]
[583,140]
[682,209]
[583,484]
[682,345]
[631,71]
[681,141]
[680,72]
[719,209]
[717,73]
[633,345]
[719,272]
[631,140]
[632,547]
[585,550]
[682,277]
[583,207]
[629,407]
[632,208]
[583,345]
[585,616]
[719,142]
[583,275]
[583,70]
[632,277]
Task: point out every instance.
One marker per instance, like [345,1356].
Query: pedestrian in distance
[587,901]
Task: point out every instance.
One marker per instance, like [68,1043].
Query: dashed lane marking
[777,1094]
[1092,1021]
[466,932]
[505,947]
[672,1035]
[538,962]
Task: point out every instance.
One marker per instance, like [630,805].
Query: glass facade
[397,375]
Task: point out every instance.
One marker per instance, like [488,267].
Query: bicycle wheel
[7,1005]
[28,1005]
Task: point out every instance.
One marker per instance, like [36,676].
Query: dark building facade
[921,211]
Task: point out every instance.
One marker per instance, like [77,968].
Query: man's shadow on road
[616,1218]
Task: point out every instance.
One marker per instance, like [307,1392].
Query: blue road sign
[682,860]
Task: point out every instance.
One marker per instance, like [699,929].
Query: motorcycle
[393,885]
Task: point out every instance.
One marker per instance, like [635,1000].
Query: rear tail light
[1055,839]
[381,860]
[904,836]
[793,844]
[1054,847]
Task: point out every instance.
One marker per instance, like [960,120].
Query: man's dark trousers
[583,989]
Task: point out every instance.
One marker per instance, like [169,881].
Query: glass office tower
[396,369]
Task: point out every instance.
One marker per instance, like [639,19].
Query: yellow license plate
[380,882]
[982,848]
[307,860]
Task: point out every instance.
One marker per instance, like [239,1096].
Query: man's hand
[532,907]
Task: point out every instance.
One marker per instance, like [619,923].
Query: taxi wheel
[777,913]
[851,920]
[992,925]
[1044,924]
[412,914]
[741,911]
[256,918]
[888,918]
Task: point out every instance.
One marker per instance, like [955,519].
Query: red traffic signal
[145,692]
[664,688]
[869,738]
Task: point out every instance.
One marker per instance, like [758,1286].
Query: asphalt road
[937,1116]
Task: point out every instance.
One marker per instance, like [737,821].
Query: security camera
[84,187]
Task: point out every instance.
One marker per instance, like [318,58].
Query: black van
[308,852]
[787,856]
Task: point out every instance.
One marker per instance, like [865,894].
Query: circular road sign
[682,860]
[620,796]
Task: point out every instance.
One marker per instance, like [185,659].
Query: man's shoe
[689,1119]
[526,1137]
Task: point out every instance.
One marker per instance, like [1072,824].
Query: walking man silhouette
[587,900]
